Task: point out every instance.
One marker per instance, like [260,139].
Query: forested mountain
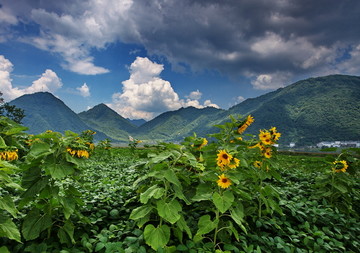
[309,111]
[306,112]
[106,120]
[43,111]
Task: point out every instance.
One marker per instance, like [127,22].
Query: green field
[230,195]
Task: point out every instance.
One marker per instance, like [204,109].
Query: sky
[146,57]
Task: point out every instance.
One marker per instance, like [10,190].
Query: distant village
[338,144]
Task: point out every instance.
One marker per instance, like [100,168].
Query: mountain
[175,125]
[106,120]
[306,112]
[43,111]
[137,122]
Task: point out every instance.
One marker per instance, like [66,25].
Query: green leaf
[237,214]
[223,202]
[39,149]
[59,170]
[340,187]
[34,223]
[182,225]
[158,237]
[2,143]
[153,192]
[66,233]
[172,178]
[169,211]
[203,192]
[140,212]
[8,229]
[69,205]
[6,203]
[4,249]
[205,225]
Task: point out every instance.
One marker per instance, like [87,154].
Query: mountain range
[306,112]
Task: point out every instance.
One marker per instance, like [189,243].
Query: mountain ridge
[308,111]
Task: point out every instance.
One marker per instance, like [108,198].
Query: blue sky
[143,57]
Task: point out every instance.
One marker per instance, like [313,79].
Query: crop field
[60,193]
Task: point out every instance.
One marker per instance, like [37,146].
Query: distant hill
[306,112]
[175,125]
[43,111]
[137,122]
[309,111]
[106,120]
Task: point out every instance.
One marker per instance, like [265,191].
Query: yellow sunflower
[340,166]
[223,181]
[265,137]
[267,152]
[234,163]
[257,164]
[9,155]
[223,158]
[249,120]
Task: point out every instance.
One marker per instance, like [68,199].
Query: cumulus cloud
[84,90]
[233,37]
[49,81]
[145,94]
[271,81]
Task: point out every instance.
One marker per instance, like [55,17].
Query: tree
[11,111]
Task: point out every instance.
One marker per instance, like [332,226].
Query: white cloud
[145,95]
[48,81]
[271,81]
[84,90]
[239,99]
[352,64]
[195,95]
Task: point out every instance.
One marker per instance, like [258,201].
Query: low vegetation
[60,193]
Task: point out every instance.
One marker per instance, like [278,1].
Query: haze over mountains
[306,112]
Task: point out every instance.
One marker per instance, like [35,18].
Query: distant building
[338,144]
[292,144]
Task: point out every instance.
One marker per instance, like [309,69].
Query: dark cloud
[277,39]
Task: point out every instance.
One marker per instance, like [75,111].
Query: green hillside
[43,111]
[175,125]
[106,120]
[309,111]
[306,112]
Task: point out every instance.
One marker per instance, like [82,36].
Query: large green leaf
[169,211]
[39,149]
[182,225]
[158,237]
[140,212]
[237,214]
[206,225]
[172,178]
[6,203]
[59,170]
[8,229]
[34,223]
[153,192]
[223,202]
[66,233]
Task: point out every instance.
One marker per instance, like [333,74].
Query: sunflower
[234,163]
[265,137]
[267,152]
[249,120]
[78,152]
[274,134]
[223,181]
[257,164]
[204,142]
[9,155]
[223,158]
[340,166]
